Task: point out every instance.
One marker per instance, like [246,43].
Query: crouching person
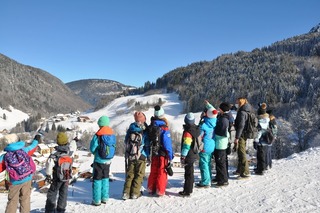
[102,146]
[58,173]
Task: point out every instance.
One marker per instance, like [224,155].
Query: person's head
[189,119]
[158,111]
[139,117]
[62,138]
[241,101]
[103,121]
[224,107]
[10,138]
[262,109]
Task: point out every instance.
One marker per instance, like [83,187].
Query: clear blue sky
[135,41]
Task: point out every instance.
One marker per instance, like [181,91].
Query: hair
[242,101]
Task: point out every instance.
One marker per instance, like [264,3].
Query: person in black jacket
[188,156]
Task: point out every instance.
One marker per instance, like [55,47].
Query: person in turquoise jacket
[207,125]
[101,167]
[19,190]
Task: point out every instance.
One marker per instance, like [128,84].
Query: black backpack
[155,137]
[250,130]
[133,144]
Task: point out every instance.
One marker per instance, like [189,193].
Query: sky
[133,42]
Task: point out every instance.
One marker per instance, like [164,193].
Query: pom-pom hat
[158,111]
[212,113]
[189,118]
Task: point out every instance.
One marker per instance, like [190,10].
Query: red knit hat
[139,117]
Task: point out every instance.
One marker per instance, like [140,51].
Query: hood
[15,146]
[65,148]
[134,127]
[192,129]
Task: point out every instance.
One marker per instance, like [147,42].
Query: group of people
[150,144]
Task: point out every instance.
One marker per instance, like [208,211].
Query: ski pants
[243,164]
[134,177]
[188,178]
[158,178]
[220,157]
[100,185]
[55,188]
[205,168]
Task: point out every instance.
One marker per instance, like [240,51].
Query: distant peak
[315,29]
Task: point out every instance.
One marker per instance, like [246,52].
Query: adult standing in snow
[161,152]
[222,139]
[188,156]
[137,152]
[207,134]
[240,140]
[101,167]
[19,189]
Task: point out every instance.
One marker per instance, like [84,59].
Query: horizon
[136,42]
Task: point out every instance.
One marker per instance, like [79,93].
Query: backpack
[268,136]
[154,133]
[19,164]
[63,167]
[133,144]
[106,147]
[250,130]
[198,145]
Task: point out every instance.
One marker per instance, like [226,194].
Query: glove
[255,145]
[38,138]
[48,179]
[169,164]
[183,160]
[148,161]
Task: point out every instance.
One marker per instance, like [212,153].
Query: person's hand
[255,145]
[48,179]
[183,160]
[148,161]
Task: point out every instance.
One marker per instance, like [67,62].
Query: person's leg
[162,178]
[188,178]
[242,155]
[51,197]
[25,193]
[129,179]
[13,198]
[152,180]
[63,196]
[139,173]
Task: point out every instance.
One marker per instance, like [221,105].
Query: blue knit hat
[189,118]
[158,111]
[104,121]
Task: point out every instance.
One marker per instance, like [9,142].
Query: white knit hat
[212,113]
[10,138]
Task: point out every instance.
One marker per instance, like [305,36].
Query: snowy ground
[292,185]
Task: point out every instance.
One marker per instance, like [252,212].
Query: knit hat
[212,113]
[139,117]
[10,138]
[62,139]
[262,109]
[189,118]
[104,121]
[158,111]
[224,106]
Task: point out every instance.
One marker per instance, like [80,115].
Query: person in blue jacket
[137,152]
[101,167]
[19,190]
[207,125]
[162,157]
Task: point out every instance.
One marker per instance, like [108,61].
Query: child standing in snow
[188,156]
[207,135]
[137,152]
[101,167]
[58,187]
[19,189]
